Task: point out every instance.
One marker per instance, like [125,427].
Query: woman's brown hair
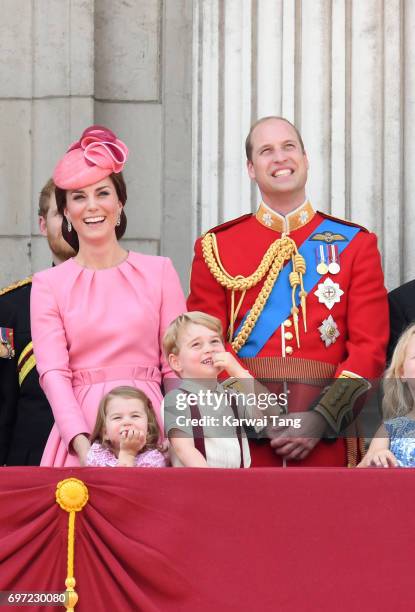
[72,237]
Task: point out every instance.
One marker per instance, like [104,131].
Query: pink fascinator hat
[96,155]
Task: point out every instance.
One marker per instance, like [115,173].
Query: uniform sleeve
[173,304]
[367,326]
[52,359]
[367,313]
[206,294]
[9,387]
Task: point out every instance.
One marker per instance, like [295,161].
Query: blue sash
[279,303]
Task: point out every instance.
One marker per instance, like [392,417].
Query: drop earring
[69,224]
[118,220]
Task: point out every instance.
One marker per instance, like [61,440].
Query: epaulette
[227,224]
[351,223]
[16,285]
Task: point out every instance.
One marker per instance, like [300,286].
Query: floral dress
[100,456]
[401,432]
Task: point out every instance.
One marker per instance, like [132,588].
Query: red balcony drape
[215,540]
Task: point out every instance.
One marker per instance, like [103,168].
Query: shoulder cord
[280,251]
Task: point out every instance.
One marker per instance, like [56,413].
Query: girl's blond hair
[153,434]
[398,399]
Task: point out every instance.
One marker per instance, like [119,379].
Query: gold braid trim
[280,251]
[362,447]
[211,256]
[19,283]
[352,451]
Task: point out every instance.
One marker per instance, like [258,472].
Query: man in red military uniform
[301,297]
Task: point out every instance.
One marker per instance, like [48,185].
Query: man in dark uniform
[25,415]
[301,297]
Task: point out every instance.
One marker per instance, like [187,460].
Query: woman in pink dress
[98,319]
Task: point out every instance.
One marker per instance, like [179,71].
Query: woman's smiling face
[94,211]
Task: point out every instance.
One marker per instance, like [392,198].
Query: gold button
[287,323]
[289,350]
[288,336]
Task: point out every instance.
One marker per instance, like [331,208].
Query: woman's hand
[382,458]
[81,446]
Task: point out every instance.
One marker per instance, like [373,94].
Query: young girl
[126,432]
[394,442]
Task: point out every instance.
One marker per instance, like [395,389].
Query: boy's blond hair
[171,337]
[398,399]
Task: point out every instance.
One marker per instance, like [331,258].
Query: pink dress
[99,456]
[94,330]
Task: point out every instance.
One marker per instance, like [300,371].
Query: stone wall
[343,72]
[181,81]
[65,64]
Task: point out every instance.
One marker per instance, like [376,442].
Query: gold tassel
[294,312]
[232,318]
[351,451]
[268,270]
[279,252]
[294,279]
[300,268]
[71,495]
[362,447]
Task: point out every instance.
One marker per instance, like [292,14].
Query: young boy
[204,425]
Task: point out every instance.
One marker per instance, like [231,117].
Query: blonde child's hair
[172,334]
[153,434]
[397,399]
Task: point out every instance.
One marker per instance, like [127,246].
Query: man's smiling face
[279,165]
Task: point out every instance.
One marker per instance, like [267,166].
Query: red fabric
[361,315]
[182,540]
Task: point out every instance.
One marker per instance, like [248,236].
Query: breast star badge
[328,293]
[329,331]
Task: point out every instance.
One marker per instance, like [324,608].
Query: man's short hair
[248,143]
[44,198]
[171,337]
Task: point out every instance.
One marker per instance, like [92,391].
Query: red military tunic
[361,315]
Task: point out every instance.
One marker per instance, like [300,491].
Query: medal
[329,332]
[328,293]
[334,266]
[322,267]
